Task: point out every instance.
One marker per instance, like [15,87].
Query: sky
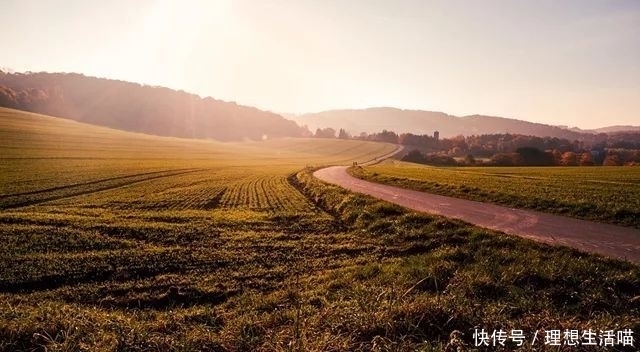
[569,62]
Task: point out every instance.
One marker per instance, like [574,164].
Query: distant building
[436,135]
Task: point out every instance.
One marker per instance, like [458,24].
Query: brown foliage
[569,159]
[586,159]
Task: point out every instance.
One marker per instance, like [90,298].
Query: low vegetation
[603,194]
[225,247]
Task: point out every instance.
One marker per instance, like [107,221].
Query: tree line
[508,149]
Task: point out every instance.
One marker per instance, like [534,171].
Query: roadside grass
[604,194]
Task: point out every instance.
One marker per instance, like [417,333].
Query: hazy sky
[558,62]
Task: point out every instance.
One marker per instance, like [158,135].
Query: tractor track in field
[70,191]
[604,239]
[88,183]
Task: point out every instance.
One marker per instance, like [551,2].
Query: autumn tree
[586,159]
[569,159]
[611,160]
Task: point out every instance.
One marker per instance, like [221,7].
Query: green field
[115,241]
[605,194]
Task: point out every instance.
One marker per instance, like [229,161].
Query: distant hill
[609,129]
[138,108]
[426,122]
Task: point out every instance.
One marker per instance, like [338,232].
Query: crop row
[259,192]
[201,190]
[82,189]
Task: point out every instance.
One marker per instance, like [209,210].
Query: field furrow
[84,189]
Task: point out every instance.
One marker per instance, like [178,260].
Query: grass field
[114,241]
[605,194]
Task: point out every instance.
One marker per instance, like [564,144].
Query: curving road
[380,158]
[609,240]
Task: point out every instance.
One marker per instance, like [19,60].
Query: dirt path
[380,158]
[609,240]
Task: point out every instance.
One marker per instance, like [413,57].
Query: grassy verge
[456,277]
[604,194]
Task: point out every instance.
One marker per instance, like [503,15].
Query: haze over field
[426,122]
[570,63]
[154,195]
[132,107]
[166,112]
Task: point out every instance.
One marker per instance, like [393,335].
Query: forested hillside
[134,107]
